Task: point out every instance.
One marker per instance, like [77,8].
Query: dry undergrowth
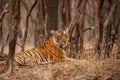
[76,70]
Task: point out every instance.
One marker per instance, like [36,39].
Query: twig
[19,45]
[4,12]
[110,15]
[87,74]
[2,55]
[77,16]
[26,28]
[90,28]
[4,44]
[1,20]
[26,7]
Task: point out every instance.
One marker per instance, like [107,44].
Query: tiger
[52,50]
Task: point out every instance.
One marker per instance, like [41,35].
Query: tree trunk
[60,14]
[2,5]
[107,25]
[2,8]
[66,13]
[75,30]
[117,27]
[1,33]
[82,31]
[39,29]
[101,17]
[97,28]
[15,19]
[118,41]
[52,15]
[26,25]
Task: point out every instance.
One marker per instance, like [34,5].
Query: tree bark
[82,31]
[106,40]
[26,25]
[40,28]
[15,19]
[2,5]
[3,11]
[60,14]
[66,13]
[117,27]
[97,28]
[52,16]
[118,41]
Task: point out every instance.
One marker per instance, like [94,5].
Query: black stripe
[49,50]
[30,53]
[43,53]
[46,51]
[40,55]
[34,51]
[27,53]
[20,60]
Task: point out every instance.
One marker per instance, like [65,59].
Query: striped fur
[50,51]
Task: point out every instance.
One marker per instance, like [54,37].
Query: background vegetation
[94,26]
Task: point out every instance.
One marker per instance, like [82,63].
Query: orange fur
[50,51]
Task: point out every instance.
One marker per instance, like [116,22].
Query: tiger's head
[60,37]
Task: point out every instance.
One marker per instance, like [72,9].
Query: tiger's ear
[52,31]
[66,31]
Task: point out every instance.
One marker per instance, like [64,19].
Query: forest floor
[77,70]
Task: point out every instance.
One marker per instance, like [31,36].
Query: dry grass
[76,70]
[89,69]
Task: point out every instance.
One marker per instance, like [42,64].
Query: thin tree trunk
[76,17]
[97,30]
[1,33]
[118,42]
[38,32]
[66,13]
[106,41]
[68,17]
[82,31]
[15,19]
[100,17]
[40,28]
[60,14]
[52,17]
[27,22]
[2,14]
[117,27]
